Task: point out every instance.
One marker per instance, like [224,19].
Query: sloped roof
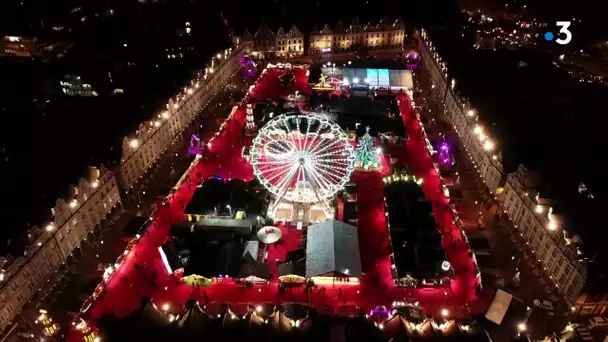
[280,32]
[193,321]
[264,33]
[294,32]
[332,247]
[326,30]
[251,251]
[247,36]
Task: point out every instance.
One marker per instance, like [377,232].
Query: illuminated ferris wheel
[302,158]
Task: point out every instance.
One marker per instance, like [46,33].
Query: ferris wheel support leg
[329,212]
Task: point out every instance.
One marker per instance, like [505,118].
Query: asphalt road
[84,275]
[504,257]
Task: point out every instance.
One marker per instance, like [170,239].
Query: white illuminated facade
[290,44]
[152,138]
[532,217]
[384,35]
[265,44]
[534,220]
[90,202]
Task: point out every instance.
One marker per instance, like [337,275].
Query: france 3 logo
[564,35]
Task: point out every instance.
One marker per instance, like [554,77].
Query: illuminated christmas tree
[366,156]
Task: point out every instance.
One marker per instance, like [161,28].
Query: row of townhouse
[557,254]
[75,218]
[153,137]
[265,43]
[88,204]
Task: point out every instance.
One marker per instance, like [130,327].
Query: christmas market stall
[286,322]
[292,273]
[196,280]
[214,247]
[255,273]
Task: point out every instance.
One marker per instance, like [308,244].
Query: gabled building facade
[290,44]
[246,41]
[321,40]
[264,43]
[384,35]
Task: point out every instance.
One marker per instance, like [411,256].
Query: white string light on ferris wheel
[279,150]
[302,148]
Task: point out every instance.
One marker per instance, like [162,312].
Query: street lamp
[134,143]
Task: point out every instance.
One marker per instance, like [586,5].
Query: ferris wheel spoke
[273,173]
[298,132]
[315,136]
[323,146]
[273,170]
[332,178]
[287,181]
[275,162]
[280,176]
[322,183]
[305,147]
